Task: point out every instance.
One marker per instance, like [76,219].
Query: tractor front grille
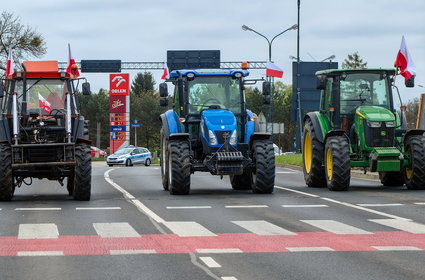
[379,136]
[220,135]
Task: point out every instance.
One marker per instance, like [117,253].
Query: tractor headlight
[374,124]
[213,139]
[390,124]
[234,138]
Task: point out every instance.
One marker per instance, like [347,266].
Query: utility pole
[299,148]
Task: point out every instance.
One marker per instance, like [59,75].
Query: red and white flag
[72,68]
[404,62]
[273,70]
[10,64]
[166,73]
[44,104]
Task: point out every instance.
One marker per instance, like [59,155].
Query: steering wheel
[215,103]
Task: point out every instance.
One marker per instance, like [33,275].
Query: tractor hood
[375,113]
[219,119]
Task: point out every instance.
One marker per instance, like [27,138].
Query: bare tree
[25,41]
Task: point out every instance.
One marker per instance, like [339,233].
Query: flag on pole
[10,64]
[273,70]
[166,73]
[405,64]
[72,68]
[44,104]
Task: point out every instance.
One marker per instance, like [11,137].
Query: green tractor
[358,126]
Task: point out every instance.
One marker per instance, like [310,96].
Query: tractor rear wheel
[391,179]
[243,181]
[264,172]
[337,163]
[6,178]
[414,174]
[179,167]
[70,184]
[164,161]
[82,173]
[313,150]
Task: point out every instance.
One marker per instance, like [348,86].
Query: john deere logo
[383,133]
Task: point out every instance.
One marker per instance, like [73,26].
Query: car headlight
[390,124]
[234,138]
[213,139]
[374,124]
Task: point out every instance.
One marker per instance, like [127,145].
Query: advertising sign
[117,103]
[119,84]
[119,109]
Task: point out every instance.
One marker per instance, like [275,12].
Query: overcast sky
[143,30]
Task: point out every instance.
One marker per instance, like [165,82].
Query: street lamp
[270,42]
[329,58]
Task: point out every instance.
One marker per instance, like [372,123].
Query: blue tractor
[211,130]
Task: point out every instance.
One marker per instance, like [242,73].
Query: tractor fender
[180,136]
[337,132]
[259,136]
[83,140]
[251,126]
[413,132]
[317,125]
[170,123]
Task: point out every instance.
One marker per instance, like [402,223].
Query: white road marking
[98,208]
[396,248]
[285,172]
[131,252]
[346,204]
[379,204]
[335,227]
[38,231]
[38,209]
[186,229]
[39,253]
[263,228]
[304,206]
[309,249]
[419,203]
[228,278]
[219,251]
[403,225]
[108,230]
[246,206]
[188,207]
[210,262]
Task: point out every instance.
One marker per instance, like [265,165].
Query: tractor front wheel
[414,174]
[179,167]
[264,172]
[337,163]
[82,172]
[243,181]
[164,160]
[6,178]
[313,149]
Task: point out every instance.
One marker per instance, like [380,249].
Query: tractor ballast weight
[42,134]
[357,126]
[211,130]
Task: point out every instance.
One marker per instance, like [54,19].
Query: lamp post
[270,42]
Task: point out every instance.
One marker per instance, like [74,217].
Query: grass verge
[293,159]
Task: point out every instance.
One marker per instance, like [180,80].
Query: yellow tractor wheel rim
[409,173]
[329,167]
[409,170]
[308,152]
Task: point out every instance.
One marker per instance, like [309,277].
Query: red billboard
[117,104]
[119,84]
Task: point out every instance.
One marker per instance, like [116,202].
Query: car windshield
[214,90]
[363,89]
[43,95]
[124,151]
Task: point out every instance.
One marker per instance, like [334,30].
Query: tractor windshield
[43,95]
[363,89]
[221,92]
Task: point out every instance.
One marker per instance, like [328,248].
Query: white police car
[130,155]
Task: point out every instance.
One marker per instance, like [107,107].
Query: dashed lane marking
[262,228]
[379,204]
[246,206]
[98,208]
[228,278]
[39,253]
[403,225]
[186,229]
[188,207]
[309,249]
[397,248]
[420,203]
[38,231]
[335,227]
[304,206]
[115,230]
[210,262]
[38,209]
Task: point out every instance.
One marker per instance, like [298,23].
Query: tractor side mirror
[267,88]
[266,99]
[1,89]
[163,102]
[86,88]
[321,82]
[410,82]
[163,90]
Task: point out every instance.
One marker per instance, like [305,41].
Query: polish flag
[405,63]
[44,104]
[166,73]
[273,70]
[9,64]
[72,68]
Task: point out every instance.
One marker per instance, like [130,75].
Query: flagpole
[299,148]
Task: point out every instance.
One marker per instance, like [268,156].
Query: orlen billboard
[119,109]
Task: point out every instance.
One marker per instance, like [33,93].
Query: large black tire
[313,151]
[82,176]
[70,184]
[147,162]
[6,177]
[337,163]
[391,179]
[179,167]
[264,170]
[128,162]
[415,173]
[243,181]
[164,160]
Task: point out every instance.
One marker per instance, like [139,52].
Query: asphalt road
[133,229]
